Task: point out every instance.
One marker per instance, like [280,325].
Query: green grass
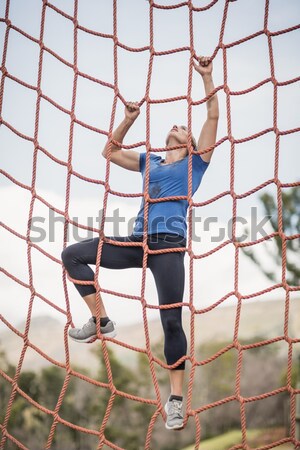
[232,438]
[225,441]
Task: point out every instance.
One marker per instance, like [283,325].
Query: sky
[247,64]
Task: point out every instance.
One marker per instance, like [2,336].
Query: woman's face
[179,133]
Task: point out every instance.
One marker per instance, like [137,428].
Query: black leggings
[167,269]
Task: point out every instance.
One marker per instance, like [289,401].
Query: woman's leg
[90,301]
[168,272]
[77,257]
[176,382]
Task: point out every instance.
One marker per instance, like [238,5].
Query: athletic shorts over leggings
[167,269]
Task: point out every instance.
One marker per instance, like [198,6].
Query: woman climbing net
[160,240]
[166,229]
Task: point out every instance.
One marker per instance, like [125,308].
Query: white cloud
[247,64]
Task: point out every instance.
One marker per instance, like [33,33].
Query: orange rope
[190,412]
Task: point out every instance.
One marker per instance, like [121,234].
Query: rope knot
[237,345]
[274,81]
[240,399]
[145,248]
[191,254]
[113,389]
[32,291]
[226,89]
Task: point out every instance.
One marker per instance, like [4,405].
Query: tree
[291,227]
[5,386]
[121,428]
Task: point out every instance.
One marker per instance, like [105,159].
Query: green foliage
[85,404]
[295,375]
[5,386]
[221,371]
[130,381]
[232,438]
[291,226]
[29,383]
[223,442]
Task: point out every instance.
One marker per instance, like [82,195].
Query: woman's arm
[128,159]
[208,133]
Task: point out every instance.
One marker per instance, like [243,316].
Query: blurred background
[264,312]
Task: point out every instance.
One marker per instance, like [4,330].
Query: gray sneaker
[88,332]
[174,415]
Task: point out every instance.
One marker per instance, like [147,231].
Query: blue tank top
[168,180]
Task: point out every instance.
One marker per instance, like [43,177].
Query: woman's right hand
[132,110]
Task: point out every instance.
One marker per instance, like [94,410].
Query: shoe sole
[93,338]
[178,428]
[175,427]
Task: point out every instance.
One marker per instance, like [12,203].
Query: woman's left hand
[204,67]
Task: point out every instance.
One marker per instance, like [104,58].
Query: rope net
[193,414]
